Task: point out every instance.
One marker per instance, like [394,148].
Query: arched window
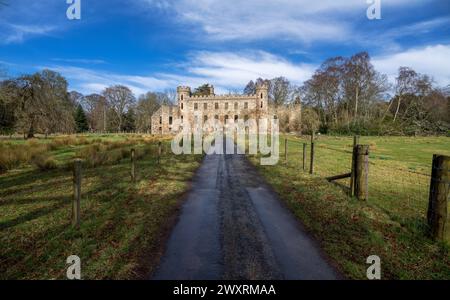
[235,105]
[181,105]
[205,118]
[182,98]
[236,117]
[261,95]
[261,104]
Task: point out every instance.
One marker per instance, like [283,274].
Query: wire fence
[399,188]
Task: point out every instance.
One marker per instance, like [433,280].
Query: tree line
[343,96]
[41,103]
[347,95]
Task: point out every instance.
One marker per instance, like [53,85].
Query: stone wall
[162,120]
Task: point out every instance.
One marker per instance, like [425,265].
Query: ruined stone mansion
[192,108]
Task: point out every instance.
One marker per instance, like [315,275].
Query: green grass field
[390,224]
[123,224]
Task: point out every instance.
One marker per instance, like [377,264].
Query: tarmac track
[233,226]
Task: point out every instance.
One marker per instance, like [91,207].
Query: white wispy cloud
[95,81]
[388,39]
[24,19]
[304,20]
[223,69]
[432,60]
[17,33]
[231,71]
[234,69]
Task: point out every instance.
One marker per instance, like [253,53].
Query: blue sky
[152,45]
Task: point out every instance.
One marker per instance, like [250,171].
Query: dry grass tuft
[104,154]
[14,155]
[44,162]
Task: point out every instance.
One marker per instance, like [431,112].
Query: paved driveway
[232,226]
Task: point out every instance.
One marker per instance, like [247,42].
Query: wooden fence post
[304,156]
[361,172]
[76,193]
[133,165]
[159,152]
[352,178]
[311,165]
[438,211]
[285,150]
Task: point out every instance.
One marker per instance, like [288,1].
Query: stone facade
[200,108]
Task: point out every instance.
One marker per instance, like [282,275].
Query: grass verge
[349,230]
[123,224]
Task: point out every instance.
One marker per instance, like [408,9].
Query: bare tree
[75,98]
[405,84]
[7,108]
[357,73]
[119,98]
[147,105]
[310,119]
[324,91]
[96,107]
[279,91]
[250,88]
[43,103]
[171,96]
[363,85]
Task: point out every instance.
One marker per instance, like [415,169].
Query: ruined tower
[262,94]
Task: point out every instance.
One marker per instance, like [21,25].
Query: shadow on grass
[30,188]
[31,215]
[106,178]
[32,200]
[121,221]
[345,189]
[26,177]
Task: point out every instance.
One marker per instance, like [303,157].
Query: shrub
[12,155]
[115,145]
[94,155]
[9,158]
[32,143]
[100,154]
[82,141]
[115,156]
[96,141]
[61,141]
[44,162]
